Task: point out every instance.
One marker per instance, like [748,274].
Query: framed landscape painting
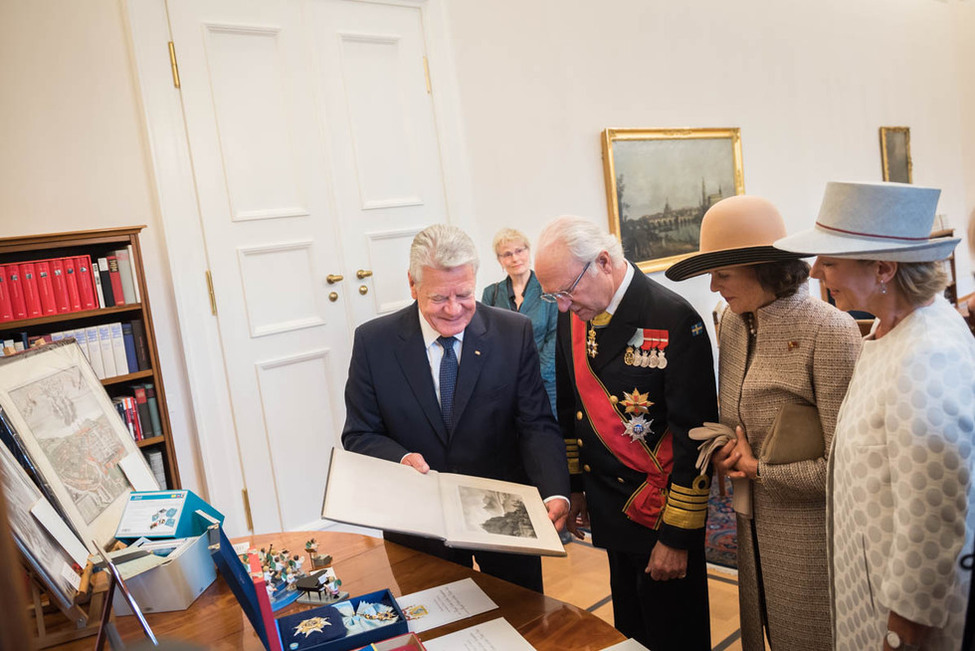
[895,154]
[659,184]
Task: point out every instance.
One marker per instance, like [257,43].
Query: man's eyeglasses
[554,297]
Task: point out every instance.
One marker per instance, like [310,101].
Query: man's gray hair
[582,238]
[442,247]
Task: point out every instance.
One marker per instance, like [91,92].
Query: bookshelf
[101,244]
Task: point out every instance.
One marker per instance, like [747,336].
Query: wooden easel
[81,622]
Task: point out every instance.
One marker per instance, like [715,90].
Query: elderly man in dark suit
[455,386]
[634,373]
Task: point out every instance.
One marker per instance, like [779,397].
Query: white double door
[315,157]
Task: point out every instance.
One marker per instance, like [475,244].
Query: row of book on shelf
[139,411]
[58,285]
[112,349]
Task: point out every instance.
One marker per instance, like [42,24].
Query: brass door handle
[331,279]
[363,273]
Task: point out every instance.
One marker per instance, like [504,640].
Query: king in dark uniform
[634,373]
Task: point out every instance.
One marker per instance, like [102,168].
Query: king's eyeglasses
[553,297]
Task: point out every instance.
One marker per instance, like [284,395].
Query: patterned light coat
[804,353]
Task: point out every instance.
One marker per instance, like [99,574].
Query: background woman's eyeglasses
[507,255]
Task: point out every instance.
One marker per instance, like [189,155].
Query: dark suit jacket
[683,396]
[503,424]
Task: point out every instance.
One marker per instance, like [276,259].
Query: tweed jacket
[804,352]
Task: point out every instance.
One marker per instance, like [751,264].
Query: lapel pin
[477,352]
[793,345]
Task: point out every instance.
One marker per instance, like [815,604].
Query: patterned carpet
[721,537]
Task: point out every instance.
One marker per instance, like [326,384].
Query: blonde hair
[920,281]
[506,235]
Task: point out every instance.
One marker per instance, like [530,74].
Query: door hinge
[247,510]
[426,73]
[172,64]
[213,296]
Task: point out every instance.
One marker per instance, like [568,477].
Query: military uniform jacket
[679,397]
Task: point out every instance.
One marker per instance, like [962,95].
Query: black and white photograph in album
[659,184]
[495,512]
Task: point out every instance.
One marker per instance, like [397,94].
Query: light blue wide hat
[874,221]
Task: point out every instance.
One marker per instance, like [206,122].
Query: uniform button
[579,442]
[578,415]
[620,480]
[614,399]
[587,468]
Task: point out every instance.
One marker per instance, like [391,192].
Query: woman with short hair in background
[901,489]
[521,292]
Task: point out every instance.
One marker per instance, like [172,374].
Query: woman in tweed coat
[777,346]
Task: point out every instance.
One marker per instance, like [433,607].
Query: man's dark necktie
[448,380]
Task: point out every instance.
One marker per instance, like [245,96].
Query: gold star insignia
[636,402]
[313,625]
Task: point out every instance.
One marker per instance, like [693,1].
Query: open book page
[490,514]
[373,492]
[495,635]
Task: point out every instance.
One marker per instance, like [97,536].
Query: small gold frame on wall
[659,184]
[895,154]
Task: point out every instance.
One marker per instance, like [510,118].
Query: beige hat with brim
[735,232]
[874,221]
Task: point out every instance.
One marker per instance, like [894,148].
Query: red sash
[646,505]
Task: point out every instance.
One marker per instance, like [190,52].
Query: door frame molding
[148,30]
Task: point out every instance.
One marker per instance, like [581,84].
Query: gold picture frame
[895,154]
[659,184]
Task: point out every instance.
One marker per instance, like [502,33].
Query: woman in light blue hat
[900,489]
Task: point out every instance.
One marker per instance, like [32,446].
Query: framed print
[64,421]
[659,184]
[41,551]
[895,154]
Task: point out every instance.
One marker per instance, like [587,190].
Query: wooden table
[366,564]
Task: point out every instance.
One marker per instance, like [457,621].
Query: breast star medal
[312,625]
[636,404]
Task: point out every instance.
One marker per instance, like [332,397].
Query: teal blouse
[544,317]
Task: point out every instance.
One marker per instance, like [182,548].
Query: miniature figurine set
[285,581]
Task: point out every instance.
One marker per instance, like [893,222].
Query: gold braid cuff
[687,508]
[572,455]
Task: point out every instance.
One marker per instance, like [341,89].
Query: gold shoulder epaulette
[687,508]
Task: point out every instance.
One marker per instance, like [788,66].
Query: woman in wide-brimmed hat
[777,347]
[902,462]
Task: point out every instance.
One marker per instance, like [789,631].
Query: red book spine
[28,278]
[18,303]
[45,287]
[6,311]
[71,283]
[60,284]
[133,411]
[116,280]
[86,286]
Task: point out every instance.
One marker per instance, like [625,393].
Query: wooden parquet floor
[582,579]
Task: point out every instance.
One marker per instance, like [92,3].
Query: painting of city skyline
[659,184]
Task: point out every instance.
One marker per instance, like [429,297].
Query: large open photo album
[464,511]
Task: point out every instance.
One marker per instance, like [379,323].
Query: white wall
[808,84]
[538,80]
[73,156]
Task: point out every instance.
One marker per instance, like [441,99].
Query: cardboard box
[185,573]
[173,585]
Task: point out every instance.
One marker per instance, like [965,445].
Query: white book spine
[118,349]
[135,275]
[125,275]
[97,279]
[108,357]
[95,352]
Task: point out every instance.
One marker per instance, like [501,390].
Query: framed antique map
[64,421]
